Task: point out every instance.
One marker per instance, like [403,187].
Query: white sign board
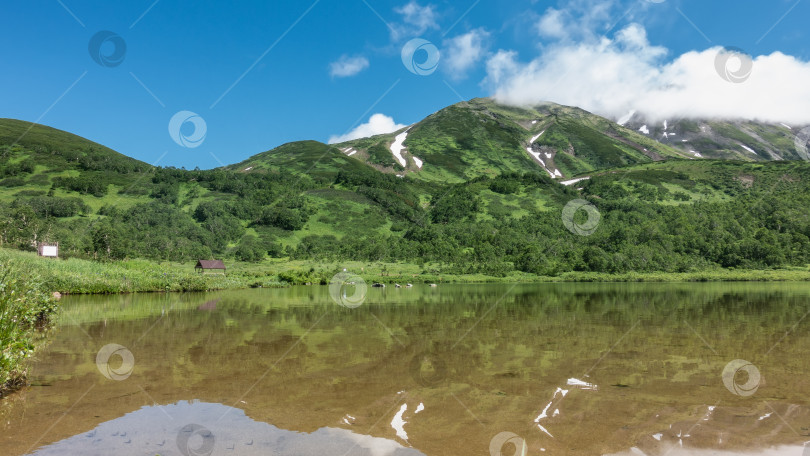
[50,250]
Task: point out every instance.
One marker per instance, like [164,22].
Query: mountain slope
[723,139]
[300,158]
[56,148]
[483,138]
[37,160]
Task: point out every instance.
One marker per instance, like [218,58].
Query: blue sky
[261,74]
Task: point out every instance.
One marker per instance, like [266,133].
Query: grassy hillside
[53,147]
[309,158]
[35,155]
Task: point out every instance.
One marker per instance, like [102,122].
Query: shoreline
[76,276]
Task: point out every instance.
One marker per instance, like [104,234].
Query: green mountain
[56,149]
[481,138]
[475,188]
[36,158]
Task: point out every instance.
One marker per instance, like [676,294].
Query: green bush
[23,305]
[250,250]
[193,283]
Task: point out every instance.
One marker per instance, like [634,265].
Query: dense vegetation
[24,309]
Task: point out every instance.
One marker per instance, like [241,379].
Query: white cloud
[501,66]
[634,37]
[416,20]
[552,24]
[378,124]
[578,20]
[611,76]
[464,51]
[347,66]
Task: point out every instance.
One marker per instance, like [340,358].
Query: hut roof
[210,264]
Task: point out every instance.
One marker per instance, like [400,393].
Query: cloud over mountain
[378,124]
[464,51]
[613,75]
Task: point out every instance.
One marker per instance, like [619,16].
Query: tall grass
[24,307]
[78,276]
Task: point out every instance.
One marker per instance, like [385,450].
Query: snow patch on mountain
[398,146]
[537,156]
[574,181]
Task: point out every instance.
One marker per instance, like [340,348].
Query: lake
[540,369]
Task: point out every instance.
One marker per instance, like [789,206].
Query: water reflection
[444,370]
[198,428]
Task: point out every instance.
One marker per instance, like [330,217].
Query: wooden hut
[213,266]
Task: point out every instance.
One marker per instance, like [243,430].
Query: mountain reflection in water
[568,369]
[198,428]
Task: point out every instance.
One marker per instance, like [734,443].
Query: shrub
[23,305]
[193,283]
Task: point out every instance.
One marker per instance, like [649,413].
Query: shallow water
[457,369]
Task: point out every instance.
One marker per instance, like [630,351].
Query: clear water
[453,370]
